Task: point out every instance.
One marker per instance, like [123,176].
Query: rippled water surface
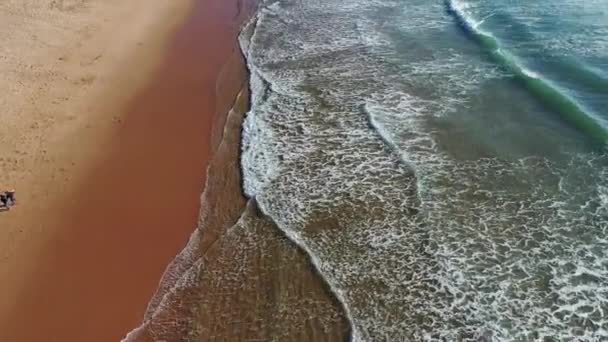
[442,162]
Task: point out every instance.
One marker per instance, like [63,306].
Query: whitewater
[442,191]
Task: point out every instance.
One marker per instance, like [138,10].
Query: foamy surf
[348,149]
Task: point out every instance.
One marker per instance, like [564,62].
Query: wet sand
[116,228]
[66,78]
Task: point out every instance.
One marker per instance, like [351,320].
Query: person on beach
[10,196]
[3,200]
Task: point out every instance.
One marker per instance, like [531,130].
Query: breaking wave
[556,99]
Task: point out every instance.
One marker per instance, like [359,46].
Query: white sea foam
[530,73]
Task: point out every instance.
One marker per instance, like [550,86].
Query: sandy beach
[239,278]
[361,171]
[107,116]
[112,115]
[65,82]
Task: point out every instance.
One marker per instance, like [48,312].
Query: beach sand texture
[65,79]
[110,114]
[92,104]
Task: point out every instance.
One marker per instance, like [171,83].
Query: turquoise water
[558,51]
[443,162]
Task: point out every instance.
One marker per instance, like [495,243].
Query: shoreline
[221,203]
[113,237]
[239,272]
[64,93]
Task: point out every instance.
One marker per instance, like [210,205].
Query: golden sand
[70,72]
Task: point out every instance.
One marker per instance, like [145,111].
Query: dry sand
[111,111]
[92,110]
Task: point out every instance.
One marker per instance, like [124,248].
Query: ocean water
[442,162]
